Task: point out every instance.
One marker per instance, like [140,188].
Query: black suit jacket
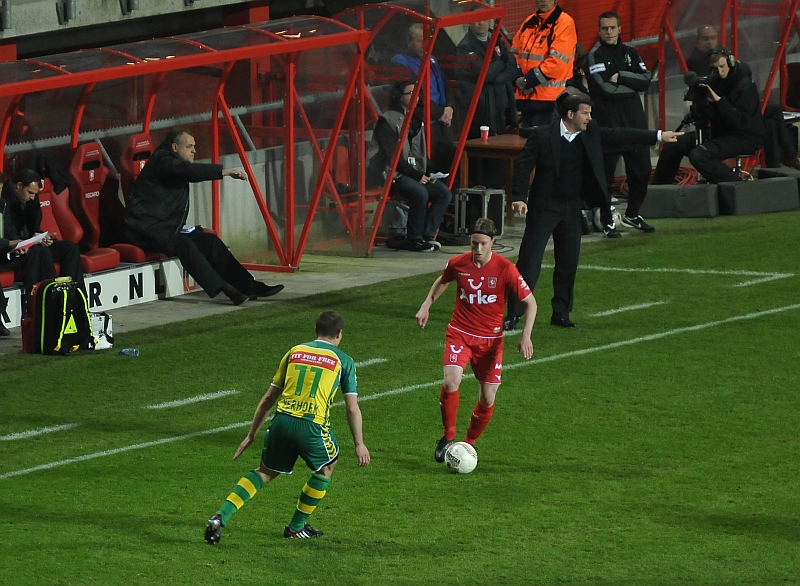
[159,202]
[543,153]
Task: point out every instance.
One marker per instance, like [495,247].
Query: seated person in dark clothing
[413,179]
[157,211]
[22,219]
[779,145]
[731,109]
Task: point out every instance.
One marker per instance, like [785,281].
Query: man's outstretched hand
[235,174]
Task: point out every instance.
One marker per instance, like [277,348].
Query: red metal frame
[732,9]
[355,99]
[364,232]
[288,252]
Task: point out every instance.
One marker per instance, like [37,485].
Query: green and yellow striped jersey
[310,374]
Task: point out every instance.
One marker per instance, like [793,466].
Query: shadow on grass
[771,526]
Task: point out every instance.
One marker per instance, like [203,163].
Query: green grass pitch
[655,444]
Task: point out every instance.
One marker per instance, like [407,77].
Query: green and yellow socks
[247,487]
[244,490]
[312,493]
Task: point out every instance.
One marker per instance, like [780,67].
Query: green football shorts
[289,437]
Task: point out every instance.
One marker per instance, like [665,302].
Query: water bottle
[129,352]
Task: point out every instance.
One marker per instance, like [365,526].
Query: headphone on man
[722,52]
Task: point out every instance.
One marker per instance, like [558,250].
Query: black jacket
[542,152]
[739,110]
[20,220]
[497,105]
[698,62]
[617,104]
[159,202]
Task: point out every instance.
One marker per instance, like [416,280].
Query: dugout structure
[270,97]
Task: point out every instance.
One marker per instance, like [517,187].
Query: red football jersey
[482,293]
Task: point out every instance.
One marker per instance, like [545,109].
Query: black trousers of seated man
[706,158]
[207,259]
[562,220]
[38,263]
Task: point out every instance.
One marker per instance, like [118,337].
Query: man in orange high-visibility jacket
[545,49]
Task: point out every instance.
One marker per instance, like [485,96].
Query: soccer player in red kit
[475,332]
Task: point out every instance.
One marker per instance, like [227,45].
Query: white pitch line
[651,337]
[371,361]
[774,277]
[628,308]
[166,440]
[764,276]
[190,400]
[410,388]
[35,432]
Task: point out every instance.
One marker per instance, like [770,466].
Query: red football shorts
[484,354]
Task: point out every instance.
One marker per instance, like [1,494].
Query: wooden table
[502,146]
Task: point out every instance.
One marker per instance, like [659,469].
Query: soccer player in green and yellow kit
[303,389]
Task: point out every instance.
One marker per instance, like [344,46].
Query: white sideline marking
[371,361]
[190,400]
[410,388]
[628,308]
[166,440]
[764,276]
[35,432]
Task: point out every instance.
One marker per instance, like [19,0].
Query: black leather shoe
[510,323]
[4,331]
[264,290]
[562,322]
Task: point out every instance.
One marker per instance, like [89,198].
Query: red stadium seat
[7,278]
[135,155]
[87,173]
[57,217]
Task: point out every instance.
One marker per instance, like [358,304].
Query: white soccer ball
[461,458]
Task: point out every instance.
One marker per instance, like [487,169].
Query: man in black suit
[568,157]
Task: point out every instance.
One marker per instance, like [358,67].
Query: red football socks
[448,402]
[481,416]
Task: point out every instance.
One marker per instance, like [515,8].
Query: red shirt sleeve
[516,283]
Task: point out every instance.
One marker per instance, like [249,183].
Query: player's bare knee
[266,474]
[327,470]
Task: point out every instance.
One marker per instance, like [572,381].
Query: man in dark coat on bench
[157,211]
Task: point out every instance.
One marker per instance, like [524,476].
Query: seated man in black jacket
[22,218]
[732,109]
[412,179]
[157,211]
